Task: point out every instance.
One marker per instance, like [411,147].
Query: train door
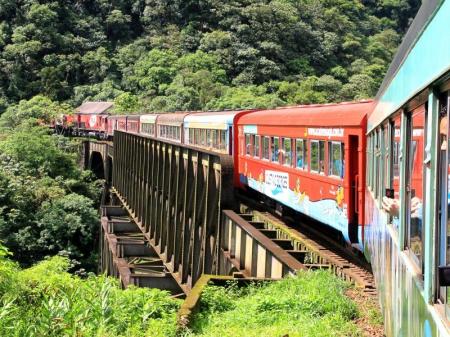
[353,183]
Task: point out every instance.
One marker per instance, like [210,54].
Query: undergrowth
[310,304]
[45,300]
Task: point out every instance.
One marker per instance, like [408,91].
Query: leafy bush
[47,205]
[45,300]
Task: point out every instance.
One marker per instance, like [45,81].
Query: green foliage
[245,97]
[311,304]
[47,205]
[45,300]
[39,108]
[126,103]
[37,152]
[156,50]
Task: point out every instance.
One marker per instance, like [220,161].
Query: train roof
[149,118]
[215,120]
[91,108]
[338,114]
[419,61]
[172,118]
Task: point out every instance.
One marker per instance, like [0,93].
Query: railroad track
[310,246]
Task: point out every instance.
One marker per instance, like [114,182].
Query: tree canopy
[47,205]
[179,55]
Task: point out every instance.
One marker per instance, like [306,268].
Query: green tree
[126,103]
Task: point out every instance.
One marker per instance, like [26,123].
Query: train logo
[277,182]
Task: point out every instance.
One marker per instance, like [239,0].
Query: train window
[414,185]
[252,142]
[444,195]
[336,159]
[197,135]
[248,144]
[377,159]
[387,155]
[203,138]
[223,139]
[318,156]
[390,190]
[256,147]
[213,139]
[208,138]
[287,151]
[266,145]
[301,150]
[275,149]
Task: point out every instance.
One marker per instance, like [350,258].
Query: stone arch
[97,165]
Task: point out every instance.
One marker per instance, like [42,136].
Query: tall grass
[45,300]
[308,305]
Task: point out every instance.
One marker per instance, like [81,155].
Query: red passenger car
[121,122]
[309,158]
[133,124]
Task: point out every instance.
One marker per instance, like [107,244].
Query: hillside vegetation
[48,205]
[45,300]
[179,55]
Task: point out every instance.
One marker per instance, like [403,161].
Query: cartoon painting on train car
[329,210]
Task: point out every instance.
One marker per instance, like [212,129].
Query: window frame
[320,156]
[284,152]
[248,144]
[266,151]
[331,160]
[412,150]
[274,157]
[257,147]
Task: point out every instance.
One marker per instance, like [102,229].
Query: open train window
[266,145]
[415,183]
[318,156]
[336,159]
[301,151]
[275,149]
[256,146]
[223,139]
[208,138]
[248,144]
[287,151]
[377,163]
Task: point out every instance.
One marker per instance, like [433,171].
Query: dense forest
[159,55]
[48,206]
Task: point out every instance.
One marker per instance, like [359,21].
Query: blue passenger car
[212,130]
[407,207]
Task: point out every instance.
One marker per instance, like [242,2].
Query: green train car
[407,215]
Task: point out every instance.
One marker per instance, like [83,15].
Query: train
[378,172]
[297,156]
